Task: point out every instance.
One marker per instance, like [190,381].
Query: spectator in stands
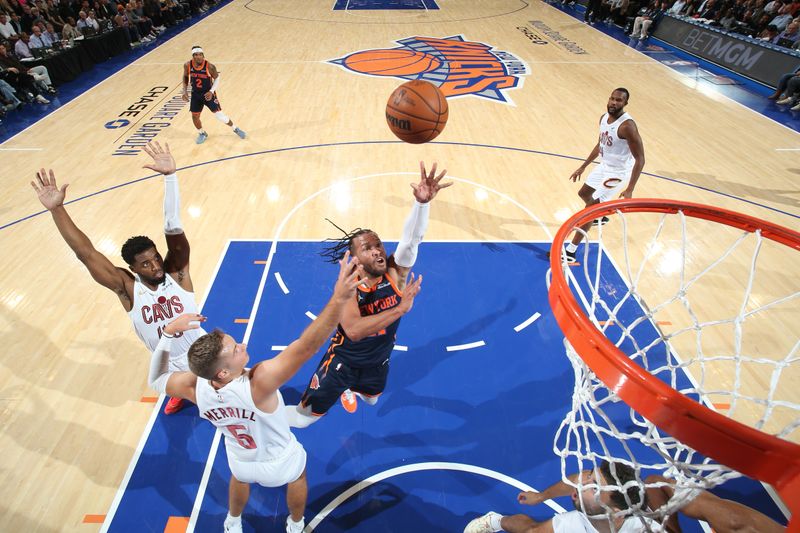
[38,39]
[773,7]
[727,19]
[51,33]
[86,24]
[792,94]
[710,11]
[769,33]
[593,11]
[644,19]
[783,82]
[782,19]
[8,96]
[21,48]
[22,79]
[617,11]
[788,37]
[677,7]
[131,31]
[6,28]
[69,30]
[26,19]
[144,25]
[52,14]
[104,10]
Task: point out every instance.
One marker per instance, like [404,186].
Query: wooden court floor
[73,373]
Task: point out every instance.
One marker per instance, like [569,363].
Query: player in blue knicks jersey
[356,363]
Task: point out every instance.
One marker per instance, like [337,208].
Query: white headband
[197,50]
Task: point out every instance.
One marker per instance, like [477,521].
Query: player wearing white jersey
[602,494]
[246,404]
[154,290]
[621,162]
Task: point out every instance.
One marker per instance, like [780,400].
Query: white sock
[294,524]
[494,521]
[571,248]
[201,130]
[369,400]
[230,519]
[297,418]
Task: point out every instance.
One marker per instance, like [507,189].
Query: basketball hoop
[677,424]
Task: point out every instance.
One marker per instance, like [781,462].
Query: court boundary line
[421,467]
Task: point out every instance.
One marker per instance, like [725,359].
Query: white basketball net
[711,311]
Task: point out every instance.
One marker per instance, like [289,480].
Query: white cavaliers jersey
[153,309]
[250,434]
[614,152]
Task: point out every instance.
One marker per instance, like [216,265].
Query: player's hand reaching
[530,498]
[47,190]
[410,292]
[208,96]
[350,274]
[428,185]
[576,176]
[163,162]
[185,322]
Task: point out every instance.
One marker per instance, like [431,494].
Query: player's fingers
[35,187]
[422,169]
[445,185]
[166,149]
[442,174]
[64,188]
[432,172]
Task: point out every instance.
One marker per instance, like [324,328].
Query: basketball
[417,112]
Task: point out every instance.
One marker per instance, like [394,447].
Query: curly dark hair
[619,474]
[335,252]
[134,246]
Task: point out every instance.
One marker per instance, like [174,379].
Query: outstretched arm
[102,270]
[268,376]
[405,256]
[724,516]
[553,491]
[630,133]
[175,384]
[177,261]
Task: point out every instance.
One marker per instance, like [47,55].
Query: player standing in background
[203,79]
[621,162]
[158,289]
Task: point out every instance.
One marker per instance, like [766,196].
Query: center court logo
[457,66]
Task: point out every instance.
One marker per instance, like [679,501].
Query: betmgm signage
[744,56]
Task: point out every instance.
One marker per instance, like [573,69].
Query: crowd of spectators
[776,21]
[32,28]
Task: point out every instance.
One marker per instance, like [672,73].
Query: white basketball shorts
[608,183]
[275,473]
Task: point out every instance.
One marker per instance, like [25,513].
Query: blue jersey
[375,349]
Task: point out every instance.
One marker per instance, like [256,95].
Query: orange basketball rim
[736,445]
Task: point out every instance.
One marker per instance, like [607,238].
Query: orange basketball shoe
[173,406]
[349,401]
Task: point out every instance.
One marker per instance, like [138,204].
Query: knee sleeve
[222,117]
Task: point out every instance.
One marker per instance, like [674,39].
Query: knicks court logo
[457,66]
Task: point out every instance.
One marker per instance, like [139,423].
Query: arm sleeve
[215,84]
[172,206]
[414,229]
[159,364]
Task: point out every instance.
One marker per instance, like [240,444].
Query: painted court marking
[468,346]
[530,320]
[420,467]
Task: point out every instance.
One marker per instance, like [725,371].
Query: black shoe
[600,221]
[570,257]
